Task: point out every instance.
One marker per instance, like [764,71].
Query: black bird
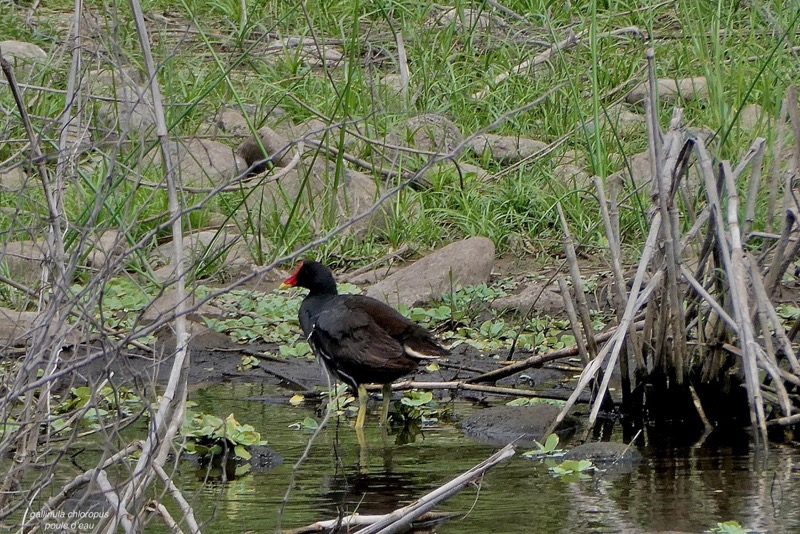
[359,339]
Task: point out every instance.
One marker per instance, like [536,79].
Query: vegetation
[86,187]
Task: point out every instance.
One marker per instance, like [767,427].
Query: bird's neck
[327,288]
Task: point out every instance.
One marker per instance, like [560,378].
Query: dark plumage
[360,339]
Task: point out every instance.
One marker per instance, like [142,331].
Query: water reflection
[685,486]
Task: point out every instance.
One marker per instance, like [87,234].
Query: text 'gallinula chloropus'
[360,339]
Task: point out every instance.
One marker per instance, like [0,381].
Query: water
[688,489]
[684,489]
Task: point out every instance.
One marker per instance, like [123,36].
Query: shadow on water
[675,487]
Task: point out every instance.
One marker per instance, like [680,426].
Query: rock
[312,52]
[459,264]
[500,425]
[469,20]
[458,170]
[13,180]
[206,163]
[751,116]
[16,327]
[605,453]
[535,295]
[671,91]
[21,50]
[24,260]
[429,132]
[573,176]
[110,244]
[132,108]
[624,121]
[504,148]
[637,173]
[201,337]
[232,122]
[162,309]
[318,130]
[210,246]
[277,150]
[311,187]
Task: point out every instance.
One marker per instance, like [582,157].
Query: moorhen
[359,339]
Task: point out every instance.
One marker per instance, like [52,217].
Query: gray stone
[313,53]
[572,175]
[25,261]
[468,19]
[535,295]
[207,245]
[429,132]
[459,264]
[13,180]
[110,244]
[16,327]
[751,116]
[624,122]
[132,107]
[671,91]
[504,148]
[162,308]
[204,163]
[22,51]
[503,424]
[311,187]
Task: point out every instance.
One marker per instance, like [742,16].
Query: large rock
[315,192]
[504,148]
[16,327]
[20,50]
[205,163]
[210,246]
[429,132]
[457,265]
[132,105]
[671,91]
[13,180]
[503,424]
[535,295]
[24,260]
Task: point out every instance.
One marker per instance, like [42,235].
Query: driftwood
[401,519]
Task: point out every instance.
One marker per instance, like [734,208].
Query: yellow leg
[387,399]
[362,406]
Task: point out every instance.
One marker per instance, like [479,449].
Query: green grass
[743,52]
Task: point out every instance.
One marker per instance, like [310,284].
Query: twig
[538,359]
[569,307]
[398,520]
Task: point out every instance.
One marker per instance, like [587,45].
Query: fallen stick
[400,519]
[457,385]
[331,525]
[538,359]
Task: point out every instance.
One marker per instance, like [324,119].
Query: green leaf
[242,452]
[551,443]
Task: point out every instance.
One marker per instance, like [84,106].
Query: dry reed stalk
[775,169]
[756,154]
[738,274]
[572,315]
[619,296]
[670,240]
[577,284]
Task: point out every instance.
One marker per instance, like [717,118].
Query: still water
[687,489]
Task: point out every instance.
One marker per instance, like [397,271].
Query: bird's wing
[417,341]
[350,338]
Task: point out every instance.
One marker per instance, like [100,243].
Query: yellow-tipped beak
[284,285]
